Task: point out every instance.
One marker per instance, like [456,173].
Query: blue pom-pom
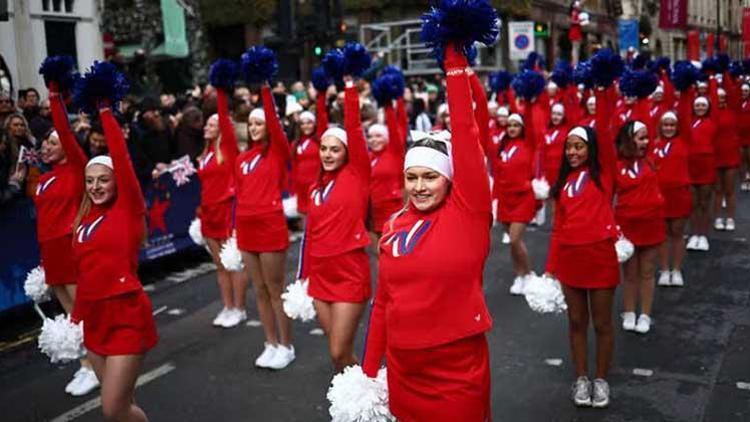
[471,55]
[259,64]
[528,84]
[661,63]
[736,69]
[684,75]
[61,70]
[582,74]
[388,87]
[392,69]
[333,63]
[356,59]
[223,74]
[562,74]
[710,65]
[320,79]
[722,62]
[638,83]
[606,66]
[461,22]
[102,85]
[500,80]
[533,62]
[640,61]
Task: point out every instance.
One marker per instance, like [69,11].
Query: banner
[520,39]
[173,21]
[693,45]
[627,32]
[673,14]
[746,24]
[710,44]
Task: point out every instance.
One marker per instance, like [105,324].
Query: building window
[60,6]
[45,5]
[61,38]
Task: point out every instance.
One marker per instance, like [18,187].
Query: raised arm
[228,144]
[129,193]
[713,97]
[403,119]
[669,95]
[572,104]
[481,112]
[685,115]
[396,138]
[279,144]
[376,339]
[321,115]
[734,99]
[470,184]
[73,152]
[604,111]
[358,156]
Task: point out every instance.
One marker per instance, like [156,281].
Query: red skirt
[120,325]
[702,169]
[678,202]
[450,382]
[517,207]
[216,220]
[262,233]
[601,269]
[57,260]
[382,212]
[644,231]
[341,278]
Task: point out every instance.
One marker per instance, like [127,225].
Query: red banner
[673,14]
[723,43]
[693,45]
[746,24]
[710,43]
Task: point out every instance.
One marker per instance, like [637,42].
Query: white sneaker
[724,203]
[71,385]
[519,285]
[677,279]
[702,244]
[664,278]
[87,382]
[600,397]
[628,321]
[232,319]
[692,243]
[282,357]
[506,239]
[220,317]
[718,224]
[581,392]
[729,226]
[644,324]
[265,358]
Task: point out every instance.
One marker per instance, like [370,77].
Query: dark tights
[578,301]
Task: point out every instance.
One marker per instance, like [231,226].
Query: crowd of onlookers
[167,127]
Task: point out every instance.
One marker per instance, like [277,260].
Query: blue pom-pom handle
[102,85]
[223,74]
[61,70]
[461,22]
[528,84]
[259,64]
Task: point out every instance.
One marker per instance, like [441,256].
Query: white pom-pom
[624,248]
[544,295]
[195,232]
[35,285]
[541,189]
[584,18]
[231,257]
[297,303]
[61,339]
[290,207]
[355,397]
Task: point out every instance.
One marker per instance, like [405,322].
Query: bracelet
[455,71]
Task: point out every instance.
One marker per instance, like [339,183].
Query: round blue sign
[521,42]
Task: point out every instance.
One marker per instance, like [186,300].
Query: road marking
[160,310]
[149,288]
[253,323]
[641,372]
[317,332]
[97,402]
[176,311]
[743,385]
[553,362]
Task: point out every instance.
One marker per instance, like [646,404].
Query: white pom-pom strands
[541,189]
[355,397]
[195,232]
[297,303]
[624,248]
[35,285]
[231,257]
[61,339]
[544,295]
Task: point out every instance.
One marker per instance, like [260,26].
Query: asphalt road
[693,366]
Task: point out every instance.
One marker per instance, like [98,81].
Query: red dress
[702,162]
[513,175]
[671,159]
[334,257]
[57,198]
[727,146]
[387,174]
[640,206]
[216,173]
[429,316]
[306,158]
[260,173]
[110,299]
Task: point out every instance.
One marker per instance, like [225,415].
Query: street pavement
[693,366]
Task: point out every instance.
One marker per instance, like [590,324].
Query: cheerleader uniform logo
[373,162]
[319,196]
[302,147]
[573,189]
[85,231]
[632,172]
[550,139]
[663,152]
[505,156]
[247,167]
[403,242]
[42,187]
[205,160]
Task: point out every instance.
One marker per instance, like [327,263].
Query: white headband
[580,132]
[515,117]
[292,107]
[104,160]
[559,108]
[721,91]
[551,84]
[745,85]
[442,108]
[377,128]
[701,100]
[258,113]
[591,100]
[669,115]
[503,112]
[337,133]
[702,84]
[659,90]
[53,133]
[492,104]
[431,158]
[306,115]
[638,126]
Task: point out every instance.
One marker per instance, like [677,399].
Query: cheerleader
[216,173]
[727,150]
[108,232]
[589,119]
[670,153]
[554,143]
[334,257]
[306,158]
[744,132]
[639,211]
[56,199]
[575,33]
[430,254]
[702,167]
[262,234]
[584,226]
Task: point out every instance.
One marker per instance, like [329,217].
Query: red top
[515,162]
[703,135]
[403,119]
[59,191]
[430,267]
[671,154]
[306,154]
[107,242]
[336,222]
[260,172]
[589,121]
[387,165]
[554,149]
[583,210]
[575,33]
[481,111]
[637,190]
[216,167]
[727,146]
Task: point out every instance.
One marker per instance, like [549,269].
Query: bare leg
[323,310]
[578,325]
[705,192]
[664,248]
[677,246]
[118,388]
[222,275]
[729,183]
[240,280]
[272,267]
[719,192]
[630,272]
[518,253]
[601,311]
[344,322]
[262,296]
[646,266]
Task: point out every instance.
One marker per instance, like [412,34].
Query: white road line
[642,372]
[160,310]
[97,402]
